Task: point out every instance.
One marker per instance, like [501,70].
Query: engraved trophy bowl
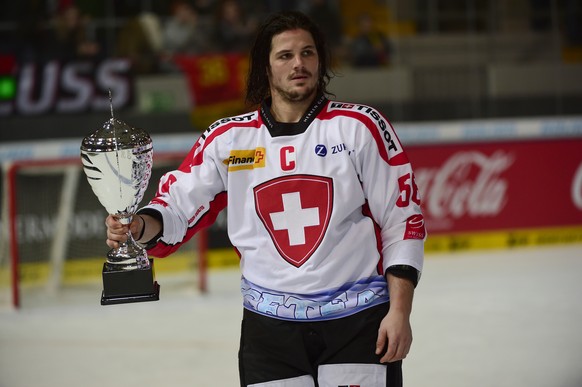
[117,160]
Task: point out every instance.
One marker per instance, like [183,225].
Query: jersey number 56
[408,191]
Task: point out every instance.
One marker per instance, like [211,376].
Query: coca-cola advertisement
[499,185]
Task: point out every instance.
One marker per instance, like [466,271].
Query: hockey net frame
[71,168]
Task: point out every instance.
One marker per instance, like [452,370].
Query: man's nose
[298,61]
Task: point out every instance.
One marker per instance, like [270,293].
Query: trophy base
[128,286]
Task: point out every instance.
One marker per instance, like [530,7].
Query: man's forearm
[401,293]
[150,228]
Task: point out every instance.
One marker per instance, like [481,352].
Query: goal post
[53,228]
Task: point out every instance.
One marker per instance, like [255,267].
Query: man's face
[294,66]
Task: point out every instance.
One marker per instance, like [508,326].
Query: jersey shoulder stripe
[389,146]
[248,120]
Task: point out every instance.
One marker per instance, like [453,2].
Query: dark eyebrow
[282,52]
[308,47]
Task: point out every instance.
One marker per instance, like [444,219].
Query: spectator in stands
[184,33]
[206,9]
[233,29]
[29,39]
[573,22]
[540,18]
[70,37]
[272,6]
[139,39]
[370,47]
[327,16]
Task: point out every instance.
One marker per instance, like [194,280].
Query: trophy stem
[128,256]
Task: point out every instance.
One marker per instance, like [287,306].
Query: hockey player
[323,211]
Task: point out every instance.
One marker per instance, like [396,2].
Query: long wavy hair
[257,81]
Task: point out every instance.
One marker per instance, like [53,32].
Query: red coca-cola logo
[469,183]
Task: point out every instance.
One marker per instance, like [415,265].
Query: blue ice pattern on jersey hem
[351,298]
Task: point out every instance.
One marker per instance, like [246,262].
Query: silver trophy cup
[117,160]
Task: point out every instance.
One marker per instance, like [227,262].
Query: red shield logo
[296,211]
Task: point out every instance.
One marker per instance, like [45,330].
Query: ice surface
[508,318]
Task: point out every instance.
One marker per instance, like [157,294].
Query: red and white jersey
[317,210]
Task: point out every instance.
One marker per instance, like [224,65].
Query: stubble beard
[295,96]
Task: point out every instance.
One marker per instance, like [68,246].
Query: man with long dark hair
[323,211]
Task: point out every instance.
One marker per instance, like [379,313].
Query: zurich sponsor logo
[320,150]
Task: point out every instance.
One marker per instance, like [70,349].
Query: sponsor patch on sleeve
[415,228]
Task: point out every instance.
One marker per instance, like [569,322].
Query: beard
[295,96]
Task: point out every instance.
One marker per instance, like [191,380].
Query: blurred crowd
[152,32]
[65,30]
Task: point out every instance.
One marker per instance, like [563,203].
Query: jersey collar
[291,128]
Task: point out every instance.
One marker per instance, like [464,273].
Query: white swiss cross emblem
[296,211]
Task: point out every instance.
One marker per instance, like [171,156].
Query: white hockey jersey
[317,210]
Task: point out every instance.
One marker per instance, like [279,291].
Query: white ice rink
[491,319]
